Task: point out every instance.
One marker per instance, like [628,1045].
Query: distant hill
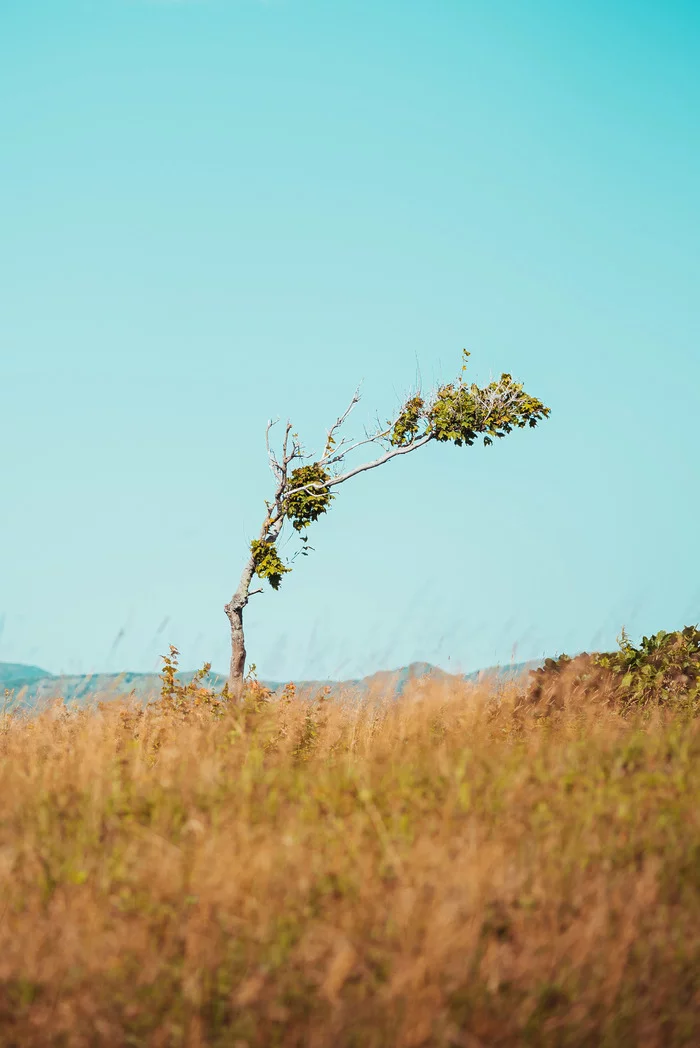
[33,686]
[16,674]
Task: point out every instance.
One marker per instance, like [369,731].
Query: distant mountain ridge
[33,686]
[16,674]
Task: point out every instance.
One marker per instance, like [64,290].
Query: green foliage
[461,413]
[408,423]
[306,505]
[664,670]
[267,562]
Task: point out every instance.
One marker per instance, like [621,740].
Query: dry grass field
[459,868]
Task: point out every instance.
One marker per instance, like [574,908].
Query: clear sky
[217,211]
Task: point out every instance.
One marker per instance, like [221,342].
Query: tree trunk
[237,667]
[234,611]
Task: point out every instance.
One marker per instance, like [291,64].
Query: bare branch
[495,397]
[272,458]
[285,457]
[373,439]
[381,434]
[330,437]
[275,512]
[392,453]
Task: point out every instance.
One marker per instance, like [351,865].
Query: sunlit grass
[450,869]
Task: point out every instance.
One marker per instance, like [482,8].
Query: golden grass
[449,869]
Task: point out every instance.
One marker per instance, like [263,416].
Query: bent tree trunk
[234,612]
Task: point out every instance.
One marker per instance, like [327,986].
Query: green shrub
[664,670]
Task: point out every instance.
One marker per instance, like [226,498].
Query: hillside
[17,675]
[33,686]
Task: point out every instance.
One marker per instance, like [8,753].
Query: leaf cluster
[308,498]
[268,564]
[408,424]
[461,413]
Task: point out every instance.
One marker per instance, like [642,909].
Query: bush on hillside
[664,670]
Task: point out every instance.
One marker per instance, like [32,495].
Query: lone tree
[456,413]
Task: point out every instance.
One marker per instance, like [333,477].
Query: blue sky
[219,211]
